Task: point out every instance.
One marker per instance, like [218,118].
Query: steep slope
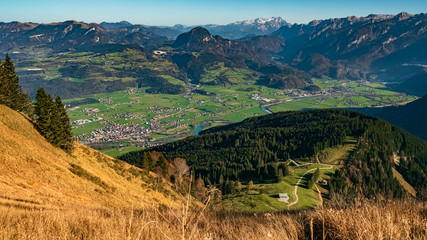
[412,117]
[417,84]
[376,46]
[253,148]
[33,173]
[251,53]
[200,39]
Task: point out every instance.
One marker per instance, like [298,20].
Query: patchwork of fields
[132,119]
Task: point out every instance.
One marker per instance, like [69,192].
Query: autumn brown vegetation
[400,220]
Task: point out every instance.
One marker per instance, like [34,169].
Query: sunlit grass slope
[33,173]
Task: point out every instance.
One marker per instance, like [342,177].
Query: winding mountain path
[299,181]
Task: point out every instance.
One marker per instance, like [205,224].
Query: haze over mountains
[236,30]
[376,47]
[382,47]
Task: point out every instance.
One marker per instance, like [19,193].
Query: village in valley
[133,118]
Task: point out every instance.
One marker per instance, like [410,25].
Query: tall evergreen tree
[44,108]
[2,83]
[52,120]
[63,128]
[163,164]
[11,93]
[144,162]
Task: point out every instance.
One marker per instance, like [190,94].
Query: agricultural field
[345,94]
[133,117]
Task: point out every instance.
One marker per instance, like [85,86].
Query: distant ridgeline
[254,148]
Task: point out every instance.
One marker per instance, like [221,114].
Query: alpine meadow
[213,120]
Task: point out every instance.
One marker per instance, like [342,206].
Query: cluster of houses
[156,109]
[257,97]
[116,132]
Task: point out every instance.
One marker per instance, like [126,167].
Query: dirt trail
[295,193]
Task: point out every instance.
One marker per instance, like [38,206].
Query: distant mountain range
[376,47]
[236,30]
[241,29]
[71,35]
[236,54]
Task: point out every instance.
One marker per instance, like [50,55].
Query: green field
[264,197]
[114,152]
[179,114]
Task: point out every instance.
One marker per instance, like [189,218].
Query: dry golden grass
[48,194]
[411,190]
[402,220]
[34,173]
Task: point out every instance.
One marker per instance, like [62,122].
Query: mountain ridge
[375,47]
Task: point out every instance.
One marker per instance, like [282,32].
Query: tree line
[51,118]
[256,148]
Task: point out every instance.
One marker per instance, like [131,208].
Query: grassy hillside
[260,151]
[263,197]
[33,173]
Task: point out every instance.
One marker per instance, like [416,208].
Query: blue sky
[197,12]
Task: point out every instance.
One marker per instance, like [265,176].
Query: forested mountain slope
[412,117]
[383,47]
[253,149]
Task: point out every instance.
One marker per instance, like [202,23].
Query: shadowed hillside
[412,117]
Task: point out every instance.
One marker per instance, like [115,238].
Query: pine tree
[64,134]
[163,164]
[144,162]
[44,108]
[2,83]
[53,121]
[27,105]
[150,161]
[11,93]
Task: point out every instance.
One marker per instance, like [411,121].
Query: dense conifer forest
[257,148]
